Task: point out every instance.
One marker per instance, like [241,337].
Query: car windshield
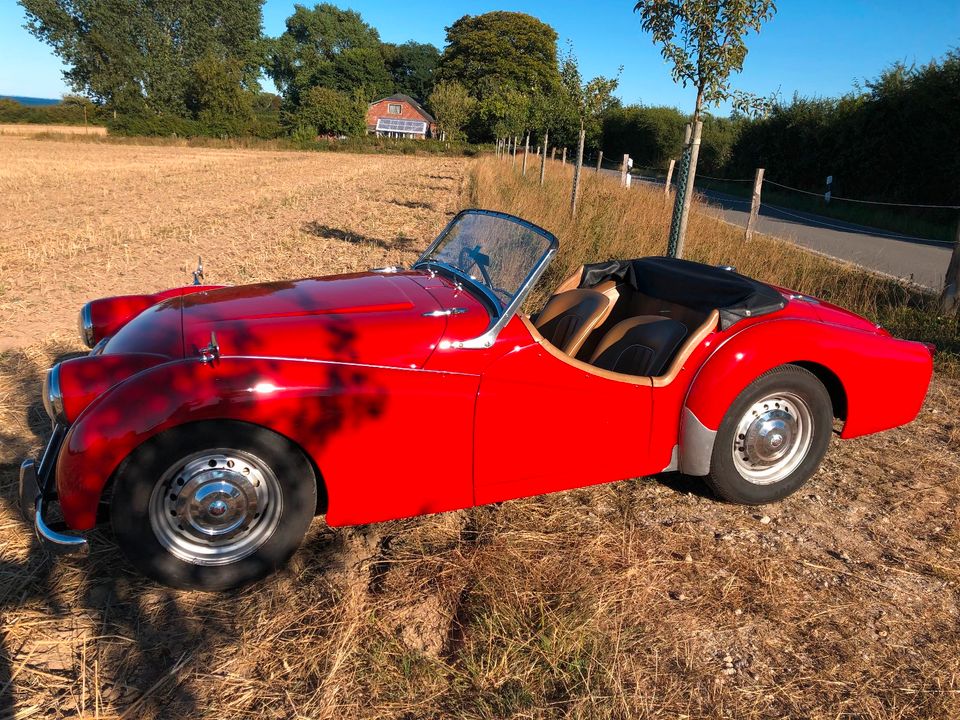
[498,254]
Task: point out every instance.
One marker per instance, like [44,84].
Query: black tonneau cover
[693,284]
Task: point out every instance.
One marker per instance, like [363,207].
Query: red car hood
[365,318]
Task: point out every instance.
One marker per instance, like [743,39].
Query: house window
[394,108]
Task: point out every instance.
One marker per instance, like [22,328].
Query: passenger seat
[569,317]
[642,345]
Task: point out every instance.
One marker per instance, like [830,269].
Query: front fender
[884,379]
[352,420]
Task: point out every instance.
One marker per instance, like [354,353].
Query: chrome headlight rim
[53,396]
[85,323]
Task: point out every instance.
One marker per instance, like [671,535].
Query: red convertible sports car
[211,424]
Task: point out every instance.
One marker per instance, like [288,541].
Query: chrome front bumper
[37,492]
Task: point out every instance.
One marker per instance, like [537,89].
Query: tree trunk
[950,298]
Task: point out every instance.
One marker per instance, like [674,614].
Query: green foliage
[452,106]
[329,112]
[703,40]
[64,113]
[139,57]
[586,102]
[412,67]
[500,50]
[327,47]
[650,135]
[892,140]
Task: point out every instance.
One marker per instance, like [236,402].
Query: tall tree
[703,40]
[327,47]
[587,100]
[142,55]
[500,50]
[412,66]
[452,106]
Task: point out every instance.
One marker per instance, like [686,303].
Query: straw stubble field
[645,598]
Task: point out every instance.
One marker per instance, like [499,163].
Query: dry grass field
[640,599]
[27,129]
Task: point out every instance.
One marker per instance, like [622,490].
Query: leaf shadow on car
[145,644]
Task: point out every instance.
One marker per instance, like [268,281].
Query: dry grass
[33,129]
[640,599]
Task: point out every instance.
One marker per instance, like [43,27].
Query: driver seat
[569,317]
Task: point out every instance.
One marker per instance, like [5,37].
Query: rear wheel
[773,437]
[212,506]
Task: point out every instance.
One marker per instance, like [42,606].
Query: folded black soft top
[693,284]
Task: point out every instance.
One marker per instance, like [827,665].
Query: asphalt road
[921,261]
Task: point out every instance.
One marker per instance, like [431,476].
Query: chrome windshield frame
[500,317]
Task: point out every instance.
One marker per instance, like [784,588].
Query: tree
[327,47]
[500,50]
[588,101]
[703,40]
[83,103]
[137,56]
[452,106]
[412,66]
[330,112]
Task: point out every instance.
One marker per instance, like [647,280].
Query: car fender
[883,380]
[351,420]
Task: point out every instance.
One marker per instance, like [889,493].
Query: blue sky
[816,47]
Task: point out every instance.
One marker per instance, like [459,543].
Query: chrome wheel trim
[215,507]
[772,438]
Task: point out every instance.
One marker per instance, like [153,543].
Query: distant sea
[31,100]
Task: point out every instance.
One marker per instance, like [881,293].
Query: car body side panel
[545,425]
[884,379]
[389,442]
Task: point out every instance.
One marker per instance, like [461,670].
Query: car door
[545,422]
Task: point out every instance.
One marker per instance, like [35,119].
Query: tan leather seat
[640,345]
[569,317]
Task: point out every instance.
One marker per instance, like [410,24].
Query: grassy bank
[613,223]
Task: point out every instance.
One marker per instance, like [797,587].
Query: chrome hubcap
[772,438]
[215,507]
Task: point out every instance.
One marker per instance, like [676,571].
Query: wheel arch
[321,485]
[831,381]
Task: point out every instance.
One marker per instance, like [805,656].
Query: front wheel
[212,506]
[772,438]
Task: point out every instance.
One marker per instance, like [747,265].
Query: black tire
[134,489]
[728,476]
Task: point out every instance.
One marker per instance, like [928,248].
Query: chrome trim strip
[388,270]
[696,445]
[347,364]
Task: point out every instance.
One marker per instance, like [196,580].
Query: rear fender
[884,380]
[353,422]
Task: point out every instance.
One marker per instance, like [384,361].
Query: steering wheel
[473,256]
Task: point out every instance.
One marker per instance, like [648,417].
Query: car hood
[367,318]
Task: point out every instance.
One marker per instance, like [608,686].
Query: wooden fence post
[599,160]
[553,153]
[754,205]
[623,170]
[950,298]
[526,151]
[666,185]
[543,158]
[576,175]
[516,141]
[563,160]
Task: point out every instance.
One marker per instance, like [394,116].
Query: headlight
[53,397]
[85,323]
